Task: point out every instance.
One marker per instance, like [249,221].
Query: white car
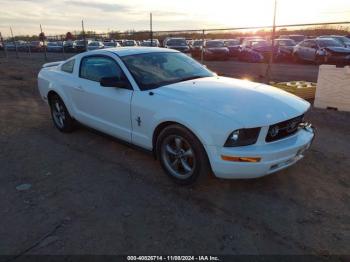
[94,45]
[194,121]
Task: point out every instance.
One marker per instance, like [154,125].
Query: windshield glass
[52,44]
[176,42]
[94,44]
[328,43]
[286,42]
[259,43]
[215,44]
[197,43]
[342,39]
[232,42]
[153,70]
[129,43]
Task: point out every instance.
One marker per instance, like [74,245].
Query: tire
[60,115]
[181,155]
[296,58]
[319,60]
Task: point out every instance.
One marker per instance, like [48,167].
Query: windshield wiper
[190,78]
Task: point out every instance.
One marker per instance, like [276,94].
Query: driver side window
[96,67]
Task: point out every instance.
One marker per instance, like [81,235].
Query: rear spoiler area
[52,64]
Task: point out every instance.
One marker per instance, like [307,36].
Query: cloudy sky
[60,16]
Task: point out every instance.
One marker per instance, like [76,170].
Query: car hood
[343,50]
[248,103]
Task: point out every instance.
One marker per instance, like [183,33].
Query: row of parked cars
[73,46]
[323,49]
[297,48]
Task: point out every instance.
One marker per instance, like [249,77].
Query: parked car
[155,43]
[94,45]
[129,43]
[149,43]
[194,121]
[37,46]
[257,51]
[111,44]
[54,47]
[285,48]
[297,38]
[215,49]
[80,45]
[10,46]
[341,39]
[179,44]
[69,46]
[233,46]
[322,50]
[22,46]
[196,48]
[120,42]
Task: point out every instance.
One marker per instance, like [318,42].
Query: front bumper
[274,156]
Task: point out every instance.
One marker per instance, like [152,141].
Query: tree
[69,36]
[42,36]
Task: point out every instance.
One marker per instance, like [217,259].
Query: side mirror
[114,82]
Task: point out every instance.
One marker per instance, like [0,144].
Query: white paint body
[211,108]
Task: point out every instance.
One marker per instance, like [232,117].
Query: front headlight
[243,137]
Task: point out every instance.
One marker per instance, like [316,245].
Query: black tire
[198,160]
[296,58]
[319,60]
[60,115]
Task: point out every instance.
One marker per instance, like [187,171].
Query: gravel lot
[86,193]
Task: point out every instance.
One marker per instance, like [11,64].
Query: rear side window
[96,67]
[68,67]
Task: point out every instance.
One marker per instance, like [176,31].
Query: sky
[61,16]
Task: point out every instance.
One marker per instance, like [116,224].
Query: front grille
[284,129]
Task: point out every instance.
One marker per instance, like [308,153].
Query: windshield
[342,39]
[197,43]
[297,38]
[129,43]
[215,44]
[153,70]
[109,44]
[259,43]
[52,44]
[232,42]
[328,43]
[286,42]
[176,42]
[94,44]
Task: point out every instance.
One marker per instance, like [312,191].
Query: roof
[124,51]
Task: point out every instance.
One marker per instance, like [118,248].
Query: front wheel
[182,155]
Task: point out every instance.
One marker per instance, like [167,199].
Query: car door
[303,50]
[104,108]
[312,50]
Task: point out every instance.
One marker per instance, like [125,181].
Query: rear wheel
[60,115]
[182,155]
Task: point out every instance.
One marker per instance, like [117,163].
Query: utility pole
[202,50]
[84,37]
[3,44]
[14,42]
[273,36]
[43,39]
[151,28]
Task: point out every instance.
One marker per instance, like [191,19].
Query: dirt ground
[86,193]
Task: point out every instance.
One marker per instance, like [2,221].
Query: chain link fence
[61,47]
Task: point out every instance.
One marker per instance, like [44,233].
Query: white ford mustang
[194,121]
